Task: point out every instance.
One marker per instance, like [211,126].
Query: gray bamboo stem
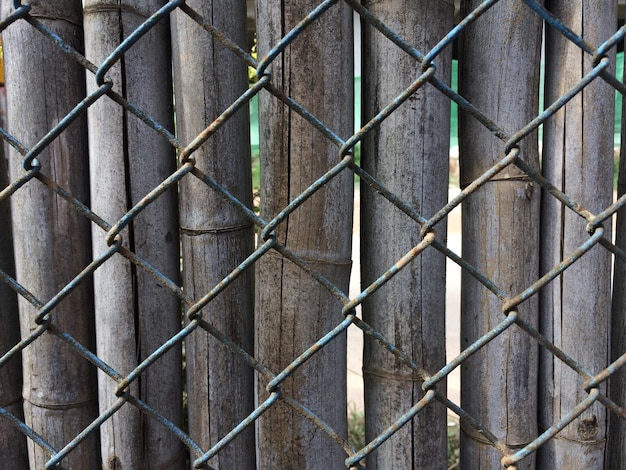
[216,237]
[135,315]
[575,309]
[499,74]
[292,309]
[617,425]
[409,155]
[43,85]
[12,442]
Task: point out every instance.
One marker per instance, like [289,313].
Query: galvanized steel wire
[111,232]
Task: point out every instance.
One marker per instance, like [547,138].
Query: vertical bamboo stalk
[293,310]
[617,425]
[409,155]
[215,236]
[135,315]
[43,85]
[575,309]
[499,74]
[12,442]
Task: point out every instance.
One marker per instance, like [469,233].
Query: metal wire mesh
[111,232]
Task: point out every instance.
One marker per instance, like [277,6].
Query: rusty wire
[194,307]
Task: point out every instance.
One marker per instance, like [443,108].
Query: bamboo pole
[135,315]
[617,425]
[12,442]
[43,85]
[499,74]
[215,236]
[292,309]
[409,155]
[575,309]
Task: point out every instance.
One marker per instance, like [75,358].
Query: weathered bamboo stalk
[292,309]
[135,315]
[43,85]
[12,442]
[215,236]
[575,308]
[409,155]
[617,426]
[499,74]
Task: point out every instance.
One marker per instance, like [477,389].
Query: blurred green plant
[356,435]
[356,427]
[252,78]
[454,443]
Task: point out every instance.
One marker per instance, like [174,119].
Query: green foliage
[454,444]
[252,78]
[256,180]
[356,428]
[356,435]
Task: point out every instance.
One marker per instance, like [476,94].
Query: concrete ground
[453,308]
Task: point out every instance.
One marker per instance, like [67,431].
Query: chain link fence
[44,321]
